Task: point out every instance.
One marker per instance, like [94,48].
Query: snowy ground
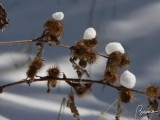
[135,24]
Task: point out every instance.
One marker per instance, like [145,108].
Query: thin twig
[38,40]
[60,45]
[30,41]
[17,42]
[62,105]
[102,55]
[107,108]
[69,79]
[40,50]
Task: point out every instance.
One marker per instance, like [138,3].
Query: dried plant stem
[119,110]
[38,40]
[17,42]
[102,55]
[119,88]
[30,41]
[60,45]
[40,50]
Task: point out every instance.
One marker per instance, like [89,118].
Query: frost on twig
[152,91]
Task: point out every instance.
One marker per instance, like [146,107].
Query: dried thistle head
[80,43]
[152,91]
[111,76]
[126,96]
[54,28]
[34,67]
[82,89]
[92,43]
[115,59]
[124,60]
[52,83]
[90,57]
[84,49]
[79,49]
[82,53]
[53,72]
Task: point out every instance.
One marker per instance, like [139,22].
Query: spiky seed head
[90,57]
[90,43]
[124,60]
[82,89]
[115,58]
[34,67]
[53,28]
[53,72]
[152,91]
[126,96]
[111,76]
[79,50]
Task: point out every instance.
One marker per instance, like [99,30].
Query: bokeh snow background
[134,23]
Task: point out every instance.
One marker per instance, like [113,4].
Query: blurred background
[134,23]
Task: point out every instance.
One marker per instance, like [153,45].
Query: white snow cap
[89,33]
[58,16]
[113,47]
[127,79]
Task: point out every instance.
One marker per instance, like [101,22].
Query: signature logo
[141,111]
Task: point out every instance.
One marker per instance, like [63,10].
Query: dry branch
[119,88]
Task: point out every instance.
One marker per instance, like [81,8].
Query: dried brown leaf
[72,106]
[79,69]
